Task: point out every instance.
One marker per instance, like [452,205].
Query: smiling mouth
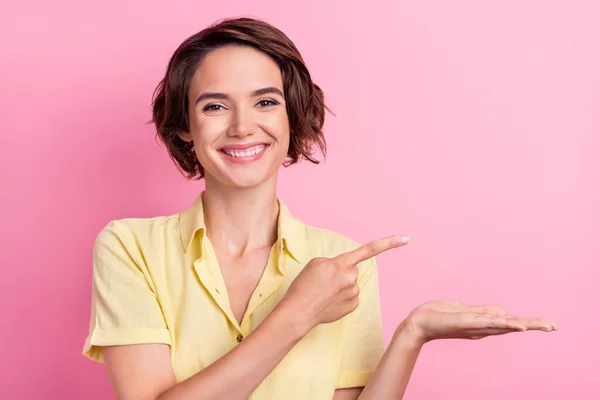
[249,152]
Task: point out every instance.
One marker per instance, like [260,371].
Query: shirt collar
[290,231]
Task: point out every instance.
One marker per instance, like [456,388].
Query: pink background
[471,126]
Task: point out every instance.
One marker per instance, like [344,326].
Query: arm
[391,377]
[128,330]
[347,394]
[429,321]
[393,373]
[144,371]
[440,320]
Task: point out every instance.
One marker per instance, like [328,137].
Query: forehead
[236,70]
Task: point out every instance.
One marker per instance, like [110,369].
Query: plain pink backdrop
[471,126]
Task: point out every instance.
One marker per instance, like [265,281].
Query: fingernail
[403,239]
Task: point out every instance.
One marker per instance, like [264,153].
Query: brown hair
[304,99]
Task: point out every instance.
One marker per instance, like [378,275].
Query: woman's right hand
[327,288]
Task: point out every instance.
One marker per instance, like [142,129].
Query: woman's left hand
[452,320]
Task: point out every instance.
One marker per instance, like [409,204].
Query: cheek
[207,130]
[203,134]
[279,127]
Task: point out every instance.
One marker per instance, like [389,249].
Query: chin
[247,174]
[249,180]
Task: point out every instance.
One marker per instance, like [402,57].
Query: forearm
[395,368]
[238,373]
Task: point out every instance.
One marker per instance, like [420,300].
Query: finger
[472,324]
[482,333]
[470,321]
[372,249]
[542,324]
[520,323]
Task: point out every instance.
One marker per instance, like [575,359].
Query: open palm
[452,320]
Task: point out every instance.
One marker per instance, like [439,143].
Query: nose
[241,124]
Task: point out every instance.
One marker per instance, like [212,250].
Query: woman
[234,298]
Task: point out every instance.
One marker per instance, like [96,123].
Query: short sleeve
[125,309]
[362,342]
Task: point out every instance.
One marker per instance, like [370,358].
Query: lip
[242,147]
[243,160]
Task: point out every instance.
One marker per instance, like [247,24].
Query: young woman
[234,298]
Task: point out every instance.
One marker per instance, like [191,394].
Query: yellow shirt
[157,280]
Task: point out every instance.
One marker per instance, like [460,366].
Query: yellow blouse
[157,280]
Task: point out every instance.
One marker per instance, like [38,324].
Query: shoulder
[332,242]
[129,249]
[138,232]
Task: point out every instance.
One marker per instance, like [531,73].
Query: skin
[241,216]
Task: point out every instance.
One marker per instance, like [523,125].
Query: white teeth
[248,153]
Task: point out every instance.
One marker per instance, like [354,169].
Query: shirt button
[239,338]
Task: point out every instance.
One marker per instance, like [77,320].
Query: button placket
[216,290]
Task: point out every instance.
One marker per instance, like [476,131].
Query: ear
[185,136]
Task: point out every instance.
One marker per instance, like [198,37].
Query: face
[237,116]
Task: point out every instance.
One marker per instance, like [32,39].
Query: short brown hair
[304,99]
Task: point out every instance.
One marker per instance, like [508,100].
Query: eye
[267,103]
[213,107]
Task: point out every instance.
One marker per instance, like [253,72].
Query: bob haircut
[304,99]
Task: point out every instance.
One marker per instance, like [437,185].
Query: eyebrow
[223,96]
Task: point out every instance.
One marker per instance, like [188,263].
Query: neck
[240,220]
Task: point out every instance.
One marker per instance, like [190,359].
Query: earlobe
[185,136]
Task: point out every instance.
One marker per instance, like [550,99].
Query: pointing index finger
[372,249]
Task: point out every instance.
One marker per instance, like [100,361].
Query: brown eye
[267,103]
[213,107]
